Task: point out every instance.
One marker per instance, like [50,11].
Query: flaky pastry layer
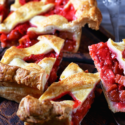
[16,74]
[46,44]
[79,84]
[45,112]
[86,12]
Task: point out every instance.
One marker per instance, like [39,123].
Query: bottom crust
[17,92]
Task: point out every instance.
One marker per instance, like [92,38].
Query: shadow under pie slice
[61,18]
[64,103]
[30,70]
[109,59]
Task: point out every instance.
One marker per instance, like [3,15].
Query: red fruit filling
[68,12]
[69,45]
[36,58]
[17,36]
[69,42]
[67,96]
[31,39]
[13,37]
[3,11]
[111,72]
[77,114]
[26,41]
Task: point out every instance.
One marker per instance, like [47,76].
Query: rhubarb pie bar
[29,70]
[109,59]
[63,18]
[64,103]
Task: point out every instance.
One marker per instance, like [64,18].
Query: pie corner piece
[30,70]
[65,102]
[109,59]
[94,14]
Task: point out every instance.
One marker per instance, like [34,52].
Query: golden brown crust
[55,42]
[21,76]
[15,6]
[71,69]
[15,92]
[7,72]
[72,83]
[45,25]
[46,44]
[77,38]
[86,12]
[42,112]
[79,84]
[23,14]
[17,75]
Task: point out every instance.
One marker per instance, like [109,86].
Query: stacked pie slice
[39,31]
[30,70]
[64,103]
[109,59]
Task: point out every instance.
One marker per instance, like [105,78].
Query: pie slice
[109,59]
[30,70]
[82,11]
[64,103]
[63,18]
